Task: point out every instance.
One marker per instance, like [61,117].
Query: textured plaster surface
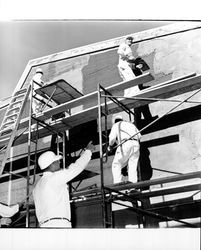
[169,57]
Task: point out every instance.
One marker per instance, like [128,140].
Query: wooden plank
[141,184]
[92,97]
[143,194]
[176,202]
[172,80]
[166,91]
[87,99]
[161,91]
[168,191]
[163,191]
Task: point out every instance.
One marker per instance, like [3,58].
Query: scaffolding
[103,109]
[137,196]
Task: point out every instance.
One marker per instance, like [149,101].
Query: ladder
[10,123]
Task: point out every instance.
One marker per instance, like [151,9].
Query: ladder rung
[11,115]
[16,103]
[20,91]
[5,137]
[11,120]
[3,130]
[8,120]
[20,97]
[8,123]
[13,109]
[2,151]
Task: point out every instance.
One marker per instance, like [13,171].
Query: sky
[32,29]
[22,41]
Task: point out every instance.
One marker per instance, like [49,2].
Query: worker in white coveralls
[6,212]
[125,65]
[51,195]
[126,153]
[37,103]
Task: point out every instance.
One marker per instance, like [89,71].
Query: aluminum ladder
[10,123]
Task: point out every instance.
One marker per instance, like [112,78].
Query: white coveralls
[125,69]
[126,153]
[8,211]
[51,196]
[37,83]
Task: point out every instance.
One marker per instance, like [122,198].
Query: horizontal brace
[153,99]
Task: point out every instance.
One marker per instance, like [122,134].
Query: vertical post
[64,149]
[35,154]
[10,177]
[57,142]
[106,135]
[101,157]
[29,157]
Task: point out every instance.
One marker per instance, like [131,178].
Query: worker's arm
[8,211]
[122,51]
[74,169]
[125,52]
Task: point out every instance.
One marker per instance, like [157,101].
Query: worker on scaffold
[125,65]
[37,101]
[127,136]
[128,66]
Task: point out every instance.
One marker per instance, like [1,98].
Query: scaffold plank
[141,184]
[86,115]
[165,91]
[168,191]
[91,98]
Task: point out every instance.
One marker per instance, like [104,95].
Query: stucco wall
[168,56]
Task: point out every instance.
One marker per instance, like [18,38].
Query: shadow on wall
[101,68]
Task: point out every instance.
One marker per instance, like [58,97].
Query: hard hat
[47,158]
[39,70]
[119,117]
[129,38]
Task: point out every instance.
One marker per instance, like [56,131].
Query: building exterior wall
[170,52]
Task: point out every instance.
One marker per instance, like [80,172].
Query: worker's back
[51,199]
[124,130]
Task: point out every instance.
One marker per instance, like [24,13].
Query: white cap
[117,117]
[39,70]
[47,159]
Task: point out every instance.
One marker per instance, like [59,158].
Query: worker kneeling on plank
[51,196]
[127,136]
